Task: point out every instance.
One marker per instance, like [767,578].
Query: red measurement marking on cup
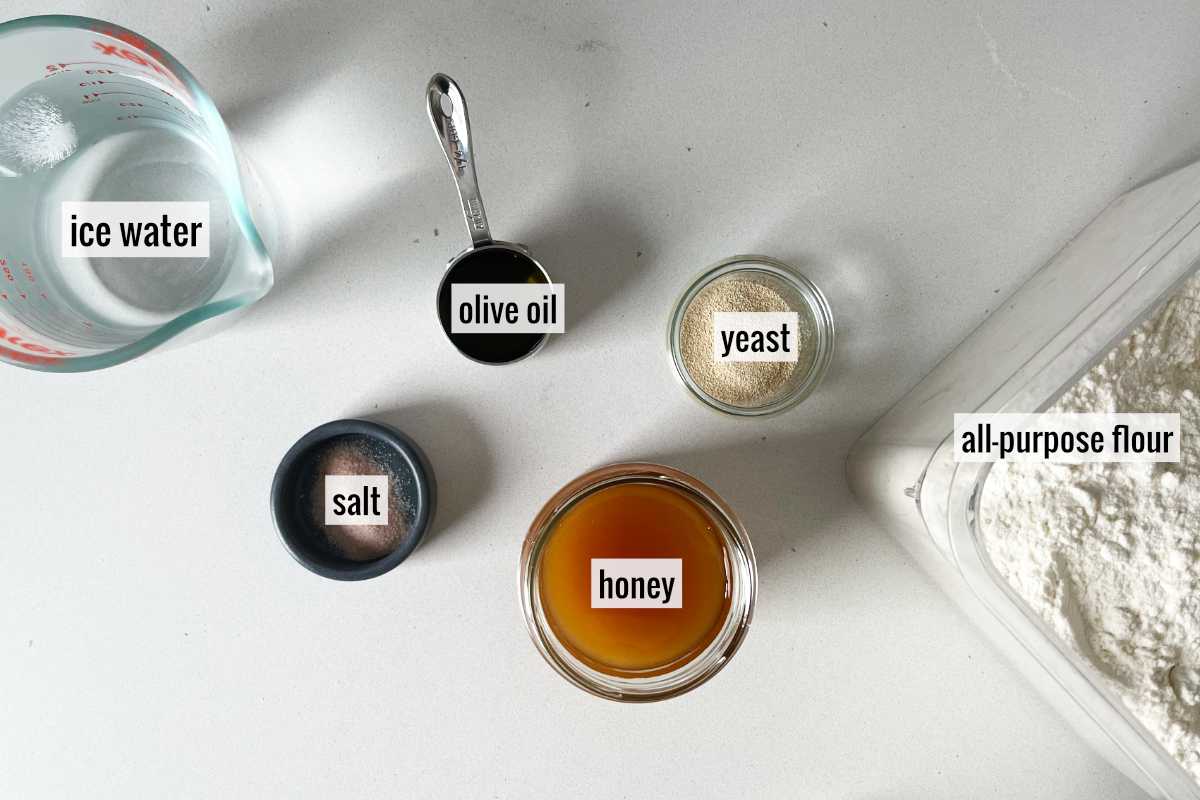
[90,98]
[127,117]
[30,352]
[26,271]
[36,353]
[141,51]
[28,347]
[65,66]
[135,94]
[131,55]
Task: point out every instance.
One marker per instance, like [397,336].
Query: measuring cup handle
[448,113]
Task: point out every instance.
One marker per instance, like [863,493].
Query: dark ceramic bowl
[294,478]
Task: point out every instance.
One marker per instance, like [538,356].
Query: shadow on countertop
[596,248]
[455,444]
[779,485]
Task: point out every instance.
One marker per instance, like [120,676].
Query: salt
[355,456]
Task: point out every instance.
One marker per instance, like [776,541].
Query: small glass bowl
[798,291]
[743,587]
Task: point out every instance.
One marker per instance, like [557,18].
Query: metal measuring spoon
[486,260]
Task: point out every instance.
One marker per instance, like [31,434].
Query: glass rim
[813,297]
[743,579]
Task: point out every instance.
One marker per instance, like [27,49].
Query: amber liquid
[635,520]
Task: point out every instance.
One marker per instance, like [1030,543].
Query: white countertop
[917,161]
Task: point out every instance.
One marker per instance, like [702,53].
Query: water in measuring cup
[60,142]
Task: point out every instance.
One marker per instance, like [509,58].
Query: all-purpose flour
[1109,554]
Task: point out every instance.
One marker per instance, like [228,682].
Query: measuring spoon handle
[448,113]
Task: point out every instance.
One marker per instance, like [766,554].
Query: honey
[635,520]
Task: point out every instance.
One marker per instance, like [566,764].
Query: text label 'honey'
[637,583]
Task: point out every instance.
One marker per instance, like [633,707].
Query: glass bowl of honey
[637,582]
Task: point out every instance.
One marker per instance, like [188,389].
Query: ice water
[127,140]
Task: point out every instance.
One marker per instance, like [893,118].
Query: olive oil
[491,264]
[635,520]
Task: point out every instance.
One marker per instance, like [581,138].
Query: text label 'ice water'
[135,229]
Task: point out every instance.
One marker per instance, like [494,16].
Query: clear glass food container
[1080,305]
[742,587]
[798,291]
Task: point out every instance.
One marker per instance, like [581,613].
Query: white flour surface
[1109,554]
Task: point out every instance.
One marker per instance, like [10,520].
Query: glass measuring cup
[90,111]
